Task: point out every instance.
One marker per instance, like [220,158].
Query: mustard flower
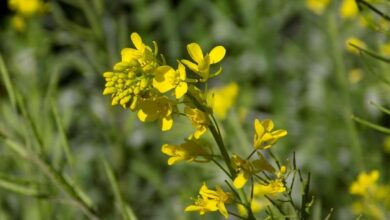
[155,108]
[203,62]
[353,41]
[264,137]
[188,151]
[272,188]
[246,169]
[348,9]
[222,99]
[211,200]
[26,8]
[317,6]
[141,56]
[364,183]
[166,78]
[202,205]
[199,120]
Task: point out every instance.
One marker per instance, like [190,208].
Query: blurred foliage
[287,60]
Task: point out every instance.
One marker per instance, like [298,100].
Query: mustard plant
[144,83]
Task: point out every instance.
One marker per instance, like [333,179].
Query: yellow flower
[222,99]
[246,169]
[199,120]
[157,108]
[166,78]
[356,42]
[264,137]
[317,6]
[348,9]
[218,195]
[364,183]
[26,8]
[211,200]
[355,75]
[202,65]
[141,56]
[202,205]
[187,151]
[273,187]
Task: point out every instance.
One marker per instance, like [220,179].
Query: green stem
[342,80]
[222,149]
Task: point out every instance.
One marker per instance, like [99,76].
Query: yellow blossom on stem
[272,188]
[141,56]
[246,169]
[364,183]
[155,108]
[264,137]
[222,99]
[199,120]
[349,9]
[166,78]
[203,62]
[317,6]
[26,7]
[202,205]
[351,42]
[211,200]
[131,79]
[188,151]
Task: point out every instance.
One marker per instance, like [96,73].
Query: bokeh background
[291,65]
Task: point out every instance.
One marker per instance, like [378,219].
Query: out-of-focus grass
[288,62]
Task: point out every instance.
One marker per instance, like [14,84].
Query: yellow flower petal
[240,180]
[166,123]
[222,209]
[161,80]
[195,52]
[268,125]
[168,149]
[173,160]
[192,66]
[181,89]
[182,71]
[137,41]
[217,54]
[279,133]
[142,116]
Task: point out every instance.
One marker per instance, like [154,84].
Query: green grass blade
[126,211]
[64,139]
[19,188]
[7,82]
[381,108]
[371,125]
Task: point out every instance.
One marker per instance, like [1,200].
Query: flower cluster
[144,83]
[374,201]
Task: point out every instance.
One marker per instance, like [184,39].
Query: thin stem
[222,149]
[222,168]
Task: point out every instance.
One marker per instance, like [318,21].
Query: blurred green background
[290,63]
